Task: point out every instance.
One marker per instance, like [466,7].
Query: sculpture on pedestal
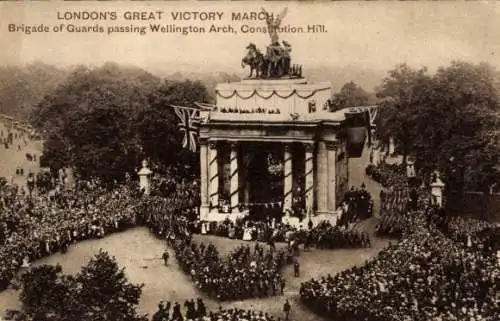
[276,62]
[144,175]
[437,189]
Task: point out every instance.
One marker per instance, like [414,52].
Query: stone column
[322,178]
[288,184]
[204,178]
[235,188]
[213,175]
[331,148]
[309,177]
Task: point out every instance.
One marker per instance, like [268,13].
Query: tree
[448,121]
[402,93]
[44,289]
[89,121]
[21,88]
[459,125]
[157,123]
[104,121]
[107,293]
[100,292]
[350,95]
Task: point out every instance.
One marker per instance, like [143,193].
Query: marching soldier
[286,309]
[282,285]
[296,268]
[165,257]
[176,313]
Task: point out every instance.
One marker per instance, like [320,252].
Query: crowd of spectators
[32,227]
[425,276]
[37,226]
[324,235]
[196,311]
[441,269]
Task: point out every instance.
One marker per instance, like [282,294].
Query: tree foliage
[21,88]
[157,123]
[350,95]
[402,93]
[100,292]
[104,121]
[448,121]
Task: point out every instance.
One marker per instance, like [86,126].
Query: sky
[371,35]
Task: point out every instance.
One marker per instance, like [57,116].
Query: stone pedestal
[437,189]
[144,178]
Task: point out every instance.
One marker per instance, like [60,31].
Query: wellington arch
[273,146]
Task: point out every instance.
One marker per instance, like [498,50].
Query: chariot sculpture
[276,61]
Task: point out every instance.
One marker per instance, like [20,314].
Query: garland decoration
[273,93]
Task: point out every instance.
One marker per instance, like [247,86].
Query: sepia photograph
[249,161]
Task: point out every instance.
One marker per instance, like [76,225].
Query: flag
[189,122]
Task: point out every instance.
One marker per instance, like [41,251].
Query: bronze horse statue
[255,59]
[274,63]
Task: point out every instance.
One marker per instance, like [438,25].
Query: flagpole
[205,106]
[184,107]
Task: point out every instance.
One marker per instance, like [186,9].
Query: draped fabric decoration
[189,126]
[264,94]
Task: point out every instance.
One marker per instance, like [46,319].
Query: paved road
[357,176]
[12,158]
